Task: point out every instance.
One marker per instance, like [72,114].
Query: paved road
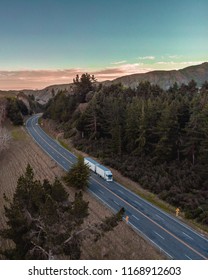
[177,240]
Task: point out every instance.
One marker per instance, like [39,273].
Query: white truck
[99,169]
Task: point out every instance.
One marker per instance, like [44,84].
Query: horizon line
[54,77]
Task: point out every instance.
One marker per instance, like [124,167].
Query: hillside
[43,95]
[4,94]
[166,79]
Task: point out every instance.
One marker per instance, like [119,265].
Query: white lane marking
[159,217]
[42,131]
[104,202]
[52,146]
[187,235]
[159,235]
[135,217]
[137,203]
[101,191]
[116,202]
[120,191]
[188,257]
[46,150]
[147,238]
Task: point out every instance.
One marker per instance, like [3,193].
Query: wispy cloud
[118,62]
[174,56]
[150,57]
[125,69]
[182,63]
[31,79]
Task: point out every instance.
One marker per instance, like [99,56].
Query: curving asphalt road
[177,240]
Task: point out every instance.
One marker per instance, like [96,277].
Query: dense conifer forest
[155,137]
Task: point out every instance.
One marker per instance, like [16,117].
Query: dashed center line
[159,235]
[159,217]
[116,202]
[187,235]
[188,257]
[135,217]
[137,203]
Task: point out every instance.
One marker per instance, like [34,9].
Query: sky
[45,42]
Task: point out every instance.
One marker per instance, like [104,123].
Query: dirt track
[122,243]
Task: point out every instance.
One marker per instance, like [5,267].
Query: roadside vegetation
[155,137]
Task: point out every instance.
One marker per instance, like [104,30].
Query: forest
[155,137]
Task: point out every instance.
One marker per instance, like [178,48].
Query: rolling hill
[166,79]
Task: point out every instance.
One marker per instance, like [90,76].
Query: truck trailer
[91,163]
[99,169]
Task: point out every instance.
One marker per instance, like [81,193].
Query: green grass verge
[63,144]
[40,121]
[18,134]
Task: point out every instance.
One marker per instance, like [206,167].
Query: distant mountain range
[164,79]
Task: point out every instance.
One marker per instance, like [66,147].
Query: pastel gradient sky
[44,42]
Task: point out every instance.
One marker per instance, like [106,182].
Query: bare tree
[5,138]
[2,111]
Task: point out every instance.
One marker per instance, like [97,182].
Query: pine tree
[78,174]
[84,84]
[167,132]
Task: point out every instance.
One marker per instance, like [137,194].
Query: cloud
[122,70]
[174,56]
[119,62]
[150,57]
[32,79]
[175,63]
[164,62]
